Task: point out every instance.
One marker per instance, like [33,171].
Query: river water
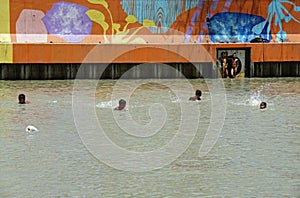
[256,153]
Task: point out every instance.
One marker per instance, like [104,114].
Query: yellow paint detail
[6,53]
[99,2]
[5,40]
[98,17]
[4,21]
[116,27]
[148,23]
[131,19]
[117,36]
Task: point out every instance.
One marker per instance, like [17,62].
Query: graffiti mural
[118,36]
[228,27]
[122,21]
[147,21]
[68,21]
[208,9]
[162,12]
[279,13]
[33,28]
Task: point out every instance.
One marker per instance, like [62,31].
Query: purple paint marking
[209,14]
[228,3]
[204,26]
[195,16]
[190,30]
[186,38]
[188,33]
[68,21]
[214,5]
[200,37]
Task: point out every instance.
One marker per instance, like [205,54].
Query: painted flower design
[68,21]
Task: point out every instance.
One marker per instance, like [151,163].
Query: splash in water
[258,95]
[107,104]
[174,98]
[255,98]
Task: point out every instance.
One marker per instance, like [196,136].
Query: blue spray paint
[235,27]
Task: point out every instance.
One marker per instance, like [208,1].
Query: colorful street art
[235,28]
[281,14]
[118,36]
[162,12]
[199,21]
[147,21]
[68,21]
[231,28]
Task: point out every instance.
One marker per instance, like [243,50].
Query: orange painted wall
[95,53]
[181,40]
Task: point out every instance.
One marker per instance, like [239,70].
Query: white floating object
[31,129]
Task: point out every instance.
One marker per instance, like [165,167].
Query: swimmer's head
[198,93]
[122,104]
[263,105]
[22,99]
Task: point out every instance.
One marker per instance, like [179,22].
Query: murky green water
[257,153]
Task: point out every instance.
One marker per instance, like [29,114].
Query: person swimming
[22,99]
[122,105]
[197,96]
[263,105]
